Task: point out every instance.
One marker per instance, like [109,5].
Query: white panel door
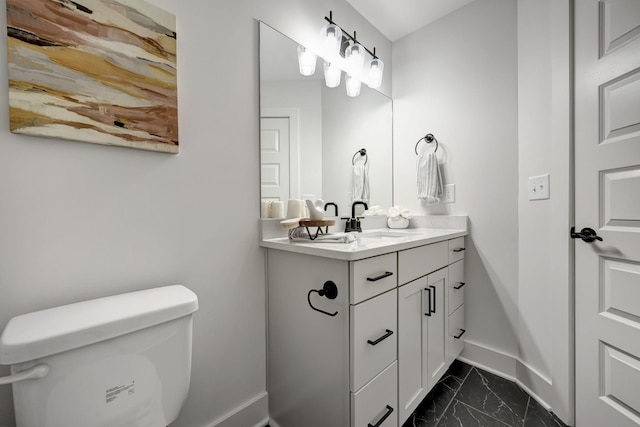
[607,199]
[274,158]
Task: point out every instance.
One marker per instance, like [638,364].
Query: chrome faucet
[353,223]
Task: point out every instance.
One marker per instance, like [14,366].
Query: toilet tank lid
[54,330]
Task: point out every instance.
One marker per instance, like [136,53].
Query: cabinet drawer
[456,249]
[456,285]
[456,329]
[420,261]
[374,337]
[373,276]
[377,400]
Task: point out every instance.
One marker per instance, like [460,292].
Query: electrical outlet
[538,187]
[449,195]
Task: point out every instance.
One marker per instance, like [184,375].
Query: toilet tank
[118,361]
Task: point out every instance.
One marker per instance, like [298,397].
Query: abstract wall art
[99,71]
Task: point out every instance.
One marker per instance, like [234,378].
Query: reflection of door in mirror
[279,146]
[274,146]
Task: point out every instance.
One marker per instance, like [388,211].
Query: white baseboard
[511,368]
[253,413]
[489,359]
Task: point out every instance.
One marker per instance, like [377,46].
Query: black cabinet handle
[434,299]
[382,338]
[460,334]
[382,276]
[429,302]
[458,250]
[384,417]
[460,285]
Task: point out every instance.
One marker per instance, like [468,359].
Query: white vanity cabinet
[370,353]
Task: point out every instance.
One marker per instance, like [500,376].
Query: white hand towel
[429,180]
[360,183]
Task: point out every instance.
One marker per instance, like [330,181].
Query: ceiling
[395,19]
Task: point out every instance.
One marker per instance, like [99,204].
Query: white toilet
[120,361]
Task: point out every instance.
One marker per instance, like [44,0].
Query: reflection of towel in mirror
[429,179]
[360,183]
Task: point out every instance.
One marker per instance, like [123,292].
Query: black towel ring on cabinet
[363,153]
[428,138]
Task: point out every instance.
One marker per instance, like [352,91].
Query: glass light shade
[332,35]
[306,61]
[332,74]
[375,70]
[355,58]
[353,85]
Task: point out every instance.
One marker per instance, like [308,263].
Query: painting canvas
[99,71]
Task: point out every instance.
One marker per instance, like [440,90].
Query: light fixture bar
[353,38]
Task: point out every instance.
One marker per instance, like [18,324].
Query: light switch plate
[449,195]
[538,187]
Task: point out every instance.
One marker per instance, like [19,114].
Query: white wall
[457,79]
[306,97]
[492,82]
[544,123]
[79,221]
[349,124]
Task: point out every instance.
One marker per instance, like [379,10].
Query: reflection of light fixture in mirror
[375,68]
[306,61]
[331,74]
[332,35]
[353,85]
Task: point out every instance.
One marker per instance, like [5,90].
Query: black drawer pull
[384,337]
[434,300]
[458,250]
[460,285]
[384,417]
[429,303]
[460,334]
[382,276]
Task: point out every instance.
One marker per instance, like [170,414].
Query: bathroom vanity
[359,333]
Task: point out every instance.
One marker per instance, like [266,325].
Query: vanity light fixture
[343,49]
[332,35]
[306,61]
[354,54]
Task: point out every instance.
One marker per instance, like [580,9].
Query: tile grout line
[526,411]
[453,397]
[484,413]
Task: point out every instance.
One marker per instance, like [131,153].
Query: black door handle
[586,234]
[460,285]
[384,337]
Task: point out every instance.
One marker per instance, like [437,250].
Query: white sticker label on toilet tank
[117,392]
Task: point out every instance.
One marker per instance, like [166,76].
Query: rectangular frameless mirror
[311,135]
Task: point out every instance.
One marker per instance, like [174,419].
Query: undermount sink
[382,236]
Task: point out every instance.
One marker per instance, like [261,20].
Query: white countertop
[370,243]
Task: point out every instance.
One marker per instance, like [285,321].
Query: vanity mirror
[311,136]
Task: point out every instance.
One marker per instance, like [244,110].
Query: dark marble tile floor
[467,396]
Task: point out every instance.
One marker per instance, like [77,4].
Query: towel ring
[429,138]
[362,152]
